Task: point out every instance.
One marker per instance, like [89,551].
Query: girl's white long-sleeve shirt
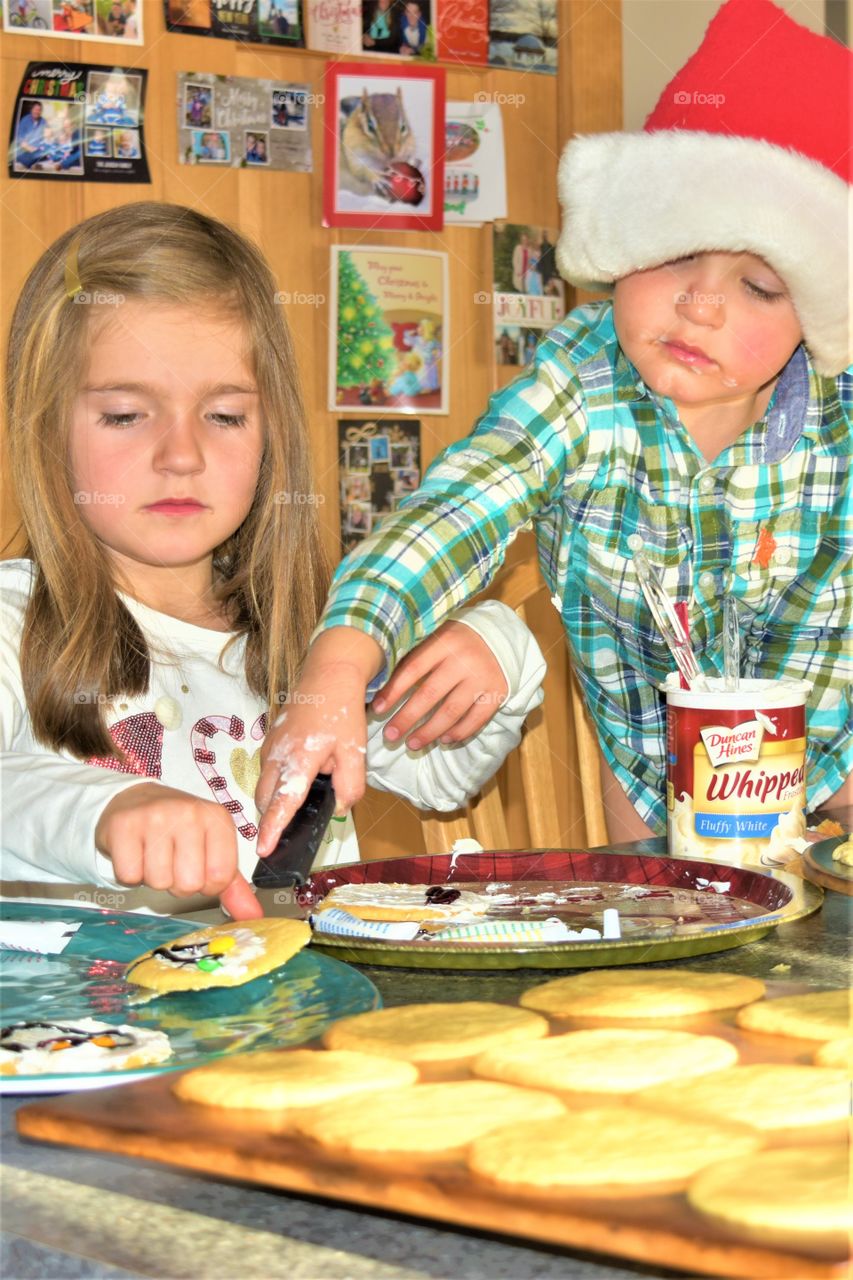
[199,729]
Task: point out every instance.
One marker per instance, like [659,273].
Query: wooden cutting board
[147,1121]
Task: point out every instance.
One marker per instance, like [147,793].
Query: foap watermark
[684,99]
[293,498]
[495,700]
[293,898]
[693,298]
[501,99]
[286,298]
[109,898]
[98,298]
[96,498]
[293,698]
[92,697]
[483,298]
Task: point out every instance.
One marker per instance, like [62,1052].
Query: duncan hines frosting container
[736,771]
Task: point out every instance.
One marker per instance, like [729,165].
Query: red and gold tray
[669,907]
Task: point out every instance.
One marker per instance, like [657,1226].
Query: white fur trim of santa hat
[636,200]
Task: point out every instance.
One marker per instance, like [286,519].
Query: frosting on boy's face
[714,329]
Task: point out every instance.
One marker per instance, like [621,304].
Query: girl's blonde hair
[80,645]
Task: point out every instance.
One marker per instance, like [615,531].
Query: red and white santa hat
[747,150]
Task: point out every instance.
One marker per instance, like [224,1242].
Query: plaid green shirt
[579,449]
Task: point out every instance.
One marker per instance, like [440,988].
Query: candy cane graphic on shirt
[235,729]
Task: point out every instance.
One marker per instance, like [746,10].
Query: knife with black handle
[290,862]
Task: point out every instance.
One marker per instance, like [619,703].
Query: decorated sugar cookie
[406,902]
[220,955]
[84,1044]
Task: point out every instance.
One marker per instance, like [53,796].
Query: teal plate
[821,855]
[287,1007]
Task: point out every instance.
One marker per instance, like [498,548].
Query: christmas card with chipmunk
[389,330]
[384,149]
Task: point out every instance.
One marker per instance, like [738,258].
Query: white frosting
[789,830]
[148,1047]
[248,946]
[406,897]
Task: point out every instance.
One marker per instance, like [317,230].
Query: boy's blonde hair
[80,644]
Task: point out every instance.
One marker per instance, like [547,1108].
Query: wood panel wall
[282,212]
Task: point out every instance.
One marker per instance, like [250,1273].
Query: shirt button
[782,556]
[707,581]
[635,542]
[707,484]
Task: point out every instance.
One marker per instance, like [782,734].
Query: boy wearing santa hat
[701,415]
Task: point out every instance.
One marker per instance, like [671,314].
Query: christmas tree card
[389,330]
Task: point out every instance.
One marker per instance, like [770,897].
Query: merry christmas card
[389,330]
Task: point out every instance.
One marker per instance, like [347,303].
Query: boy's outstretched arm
[435,553]
[461,684]
[323,729]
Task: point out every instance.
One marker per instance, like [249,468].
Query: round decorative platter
[668,907]
[287,1007]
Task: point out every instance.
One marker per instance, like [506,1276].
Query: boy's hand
[461,683]
[167,839]
[323,729]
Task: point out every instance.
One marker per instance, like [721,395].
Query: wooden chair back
[544,775]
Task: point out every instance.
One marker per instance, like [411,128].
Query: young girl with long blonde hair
[174,571]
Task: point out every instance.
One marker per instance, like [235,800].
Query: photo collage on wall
[243,123]
[529,295]
[380,464]
[95,20]
[518,34]
[78,121]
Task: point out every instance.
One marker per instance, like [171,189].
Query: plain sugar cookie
[818,1015]
[282,1078]
[606,1149]
[835,1053]
[771,1096]
[606,1061]
[435,1033]
[428,1119]
[793,1196]
[641,993]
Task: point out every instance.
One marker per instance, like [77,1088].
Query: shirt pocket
[781,567]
